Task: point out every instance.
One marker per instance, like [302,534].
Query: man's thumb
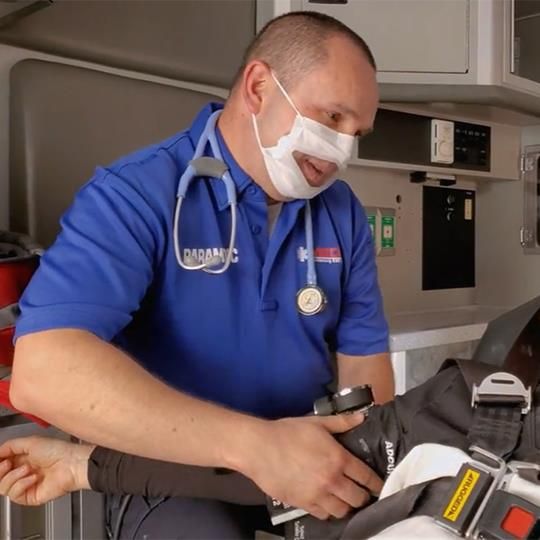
[342,422]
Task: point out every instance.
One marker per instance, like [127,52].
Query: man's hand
[36,470]
[298,461]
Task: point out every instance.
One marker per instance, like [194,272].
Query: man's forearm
[90,389]
[375,370]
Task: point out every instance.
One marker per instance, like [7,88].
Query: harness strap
[21,240]
[8,316]
[523,360]
[496,428]
[503,332]
[497,421]
[474,372]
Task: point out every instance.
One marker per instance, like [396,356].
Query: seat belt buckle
[470,492]
[502,388]
[513,512]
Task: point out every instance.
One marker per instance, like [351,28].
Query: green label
[388,232]
[372,225]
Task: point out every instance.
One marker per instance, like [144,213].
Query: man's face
[342,94]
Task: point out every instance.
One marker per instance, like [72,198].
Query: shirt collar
[239,176]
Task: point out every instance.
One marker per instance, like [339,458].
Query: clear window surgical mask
[310,138]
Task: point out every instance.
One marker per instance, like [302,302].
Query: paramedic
[119,345]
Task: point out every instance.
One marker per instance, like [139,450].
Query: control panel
[471,145]
[401,137]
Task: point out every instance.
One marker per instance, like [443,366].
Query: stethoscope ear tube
[213,167]
[207,265]
[230,249]
[208,166]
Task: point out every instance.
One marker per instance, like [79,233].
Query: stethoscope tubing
[203,167]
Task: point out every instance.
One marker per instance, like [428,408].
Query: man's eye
[334,116]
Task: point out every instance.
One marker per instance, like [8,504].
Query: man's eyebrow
[347,110]
[343,109]
[363,132]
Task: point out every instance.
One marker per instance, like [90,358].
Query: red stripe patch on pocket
[327,255]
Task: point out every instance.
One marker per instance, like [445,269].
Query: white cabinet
[461,51]
[415,366]
[412,35]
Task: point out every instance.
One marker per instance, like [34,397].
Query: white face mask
[308,137]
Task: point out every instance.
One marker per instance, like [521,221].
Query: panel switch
[442,141]
[387,232]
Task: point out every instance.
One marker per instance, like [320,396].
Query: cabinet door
[421,36]
[526,44]
[530,232]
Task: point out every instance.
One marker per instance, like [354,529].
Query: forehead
[345,78]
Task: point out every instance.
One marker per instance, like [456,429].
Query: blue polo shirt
[235,338]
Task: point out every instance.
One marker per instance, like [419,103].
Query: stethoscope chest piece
[310,300]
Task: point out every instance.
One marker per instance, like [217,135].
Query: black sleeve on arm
[117,473]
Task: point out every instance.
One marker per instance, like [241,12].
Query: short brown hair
[293,44]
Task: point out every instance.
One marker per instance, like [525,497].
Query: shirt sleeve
[362,328]
[100,266]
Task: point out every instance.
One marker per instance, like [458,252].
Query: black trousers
[180,518]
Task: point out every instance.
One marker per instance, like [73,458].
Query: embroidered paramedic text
[202,255]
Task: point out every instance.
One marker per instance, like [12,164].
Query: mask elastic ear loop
[284,92]
[288,98]
[256,130]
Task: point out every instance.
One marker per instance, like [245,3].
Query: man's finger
[11,477]
[363,475]
[318,512]
[5,450]
[334,506]
[15,447]
[19,488]
[340,423]
[5,466]
[351,493]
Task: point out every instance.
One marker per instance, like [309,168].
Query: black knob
[353,399]
[323,406]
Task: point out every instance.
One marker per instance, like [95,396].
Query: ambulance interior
[449,178]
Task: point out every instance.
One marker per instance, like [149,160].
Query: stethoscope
[310,299]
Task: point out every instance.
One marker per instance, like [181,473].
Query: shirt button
[268,305]
[252,190]
[255,229]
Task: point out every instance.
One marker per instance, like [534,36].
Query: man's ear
[255,85]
